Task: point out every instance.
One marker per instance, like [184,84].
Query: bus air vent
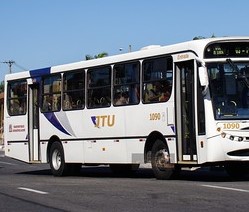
[243,152]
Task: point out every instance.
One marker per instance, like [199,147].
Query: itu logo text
[103,120]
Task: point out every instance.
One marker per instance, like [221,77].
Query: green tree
[198,38]
[2,86]
[201,37]
[100,55]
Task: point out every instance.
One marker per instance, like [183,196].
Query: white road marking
[32,190]
[12,164]
[226,188]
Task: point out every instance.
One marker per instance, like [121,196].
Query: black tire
[238,170]
[57,161]
[160,161]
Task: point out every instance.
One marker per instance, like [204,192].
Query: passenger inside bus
[165,94]
[153,92]
[14,106]
[67,103]
[56,102]
[121,99]
[47,103]
[157,91]
[134,95]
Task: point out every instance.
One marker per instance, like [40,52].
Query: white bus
[182,105]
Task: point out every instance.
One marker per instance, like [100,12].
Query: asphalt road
[25,187]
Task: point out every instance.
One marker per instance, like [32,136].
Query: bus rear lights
[231,137]
[218,129]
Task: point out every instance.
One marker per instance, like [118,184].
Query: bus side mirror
[202,72]
[203,79]
[203,76]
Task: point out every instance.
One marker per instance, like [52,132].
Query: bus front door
[185,111]
[33,116]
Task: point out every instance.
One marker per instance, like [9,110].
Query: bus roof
[196,46]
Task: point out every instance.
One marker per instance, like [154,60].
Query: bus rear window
[17,97]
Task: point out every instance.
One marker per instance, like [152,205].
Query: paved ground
[31,187]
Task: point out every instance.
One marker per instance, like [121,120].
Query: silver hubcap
[162,159]
[56,159]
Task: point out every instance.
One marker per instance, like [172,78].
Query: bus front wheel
[57,160]
[160,161]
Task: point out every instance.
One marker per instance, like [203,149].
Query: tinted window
[17,98]
[51,93]
[126,84]
[99,87]
[74,90]
[157,79]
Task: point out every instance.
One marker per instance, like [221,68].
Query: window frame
[49,104]
[166,84]
[98,87]
[68,103]
[124,96]
[17,105]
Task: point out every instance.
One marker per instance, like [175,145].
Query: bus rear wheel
[56,160]
[160,161]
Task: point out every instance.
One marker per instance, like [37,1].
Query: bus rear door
[33,122]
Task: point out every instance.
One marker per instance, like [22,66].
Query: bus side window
[157,79]
[126,84]
[51,93]
[99,87]
[74,90]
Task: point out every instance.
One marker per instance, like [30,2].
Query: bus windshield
[229,89]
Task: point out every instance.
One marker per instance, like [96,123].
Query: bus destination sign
[227,49]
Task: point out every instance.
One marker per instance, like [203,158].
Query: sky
[43,33]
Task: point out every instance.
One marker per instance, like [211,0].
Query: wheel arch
[153,136]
